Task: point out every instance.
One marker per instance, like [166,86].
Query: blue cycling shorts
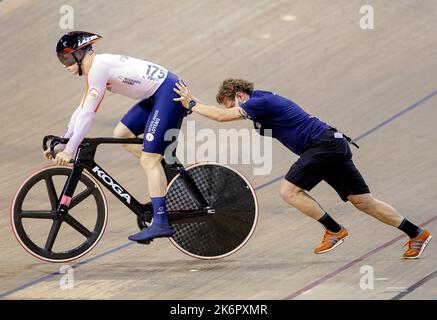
[155,115]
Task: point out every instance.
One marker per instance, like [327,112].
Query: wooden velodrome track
[376,85]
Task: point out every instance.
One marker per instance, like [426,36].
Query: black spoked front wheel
[222,231]
[48,236]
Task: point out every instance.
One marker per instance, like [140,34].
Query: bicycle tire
[18,214]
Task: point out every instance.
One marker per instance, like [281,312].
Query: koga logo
[113,185]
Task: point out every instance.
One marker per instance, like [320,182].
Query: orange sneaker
[331,240]
[417,245]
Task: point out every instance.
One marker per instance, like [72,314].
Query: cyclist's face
[69,63]
[67,59]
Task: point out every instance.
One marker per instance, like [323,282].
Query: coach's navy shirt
[289,123]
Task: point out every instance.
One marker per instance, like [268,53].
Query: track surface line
[339,270]
[413,287]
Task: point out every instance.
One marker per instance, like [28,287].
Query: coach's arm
[211,112]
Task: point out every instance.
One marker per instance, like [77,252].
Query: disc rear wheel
[224,230]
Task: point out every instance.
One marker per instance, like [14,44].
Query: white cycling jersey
[134,78]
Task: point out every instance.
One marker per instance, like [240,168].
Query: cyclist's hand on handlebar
[47,154]
[62,158]
[58,148]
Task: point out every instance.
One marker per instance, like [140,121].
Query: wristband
[191,105]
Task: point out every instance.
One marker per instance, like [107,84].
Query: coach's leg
[302,201]
[419,237]
[298,198]
[377,209]
[121,131]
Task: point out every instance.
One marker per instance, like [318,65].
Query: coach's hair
[230,87]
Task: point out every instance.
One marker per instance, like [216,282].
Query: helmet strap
[79,63]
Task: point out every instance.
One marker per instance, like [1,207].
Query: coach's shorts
[330,159]
[155,115]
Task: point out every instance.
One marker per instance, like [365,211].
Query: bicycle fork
[68,191]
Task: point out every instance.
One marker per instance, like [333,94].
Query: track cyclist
[154,114]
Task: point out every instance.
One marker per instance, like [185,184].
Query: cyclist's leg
[133,124]
[165,115]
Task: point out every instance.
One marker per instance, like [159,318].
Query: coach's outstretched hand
[184,94]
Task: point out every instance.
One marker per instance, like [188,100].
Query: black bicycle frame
[85,160]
